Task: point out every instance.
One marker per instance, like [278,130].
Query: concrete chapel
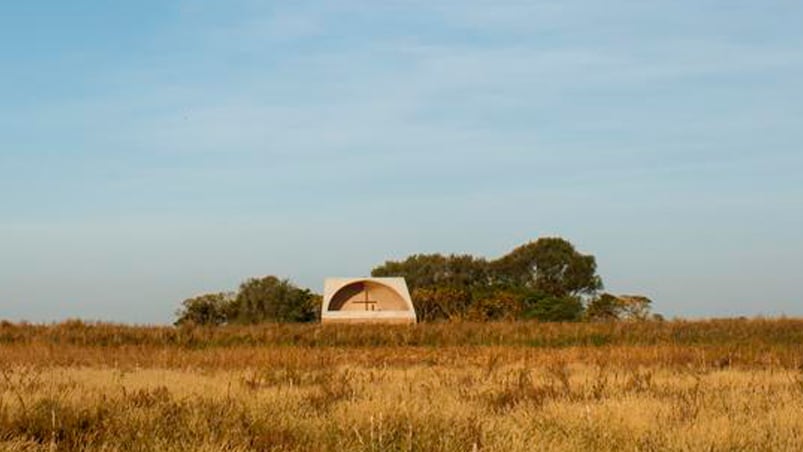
[367,300]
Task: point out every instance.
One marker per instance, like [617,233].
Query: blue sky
[155,150]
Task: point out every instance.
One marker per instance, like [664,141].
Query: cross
[366,302]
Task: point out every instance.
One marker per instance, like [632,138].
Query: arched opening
[367,296]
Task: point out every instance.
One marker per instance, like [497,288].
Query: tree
[207,309]
[437,270]
[495,305]
[313,307]
[551,266]
[274,300]
[608,307]
[440,303]
[604,308]
[635,307]
[553,309]
[548,270]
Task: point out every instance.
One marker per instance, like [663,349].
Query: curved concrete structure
[367,300]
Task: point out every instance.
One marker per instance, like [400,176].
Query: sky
[151,151]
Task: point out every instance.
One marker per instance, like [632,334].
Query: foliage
[208,309]
[546,279]
[553,309]
[604,308]
[551,266]
[312,307]
[267,299]
[753,337]
[635,307]
[495,305]
[436,270]
[440,303]
[608,307]
[270,299]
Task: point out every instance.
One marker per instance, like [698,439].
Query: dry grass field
[708,385]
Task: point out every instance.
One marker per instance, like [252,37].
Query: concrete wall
[380,297]
[367,300]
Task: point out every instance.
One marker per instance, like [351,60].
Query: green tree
[553,309]
[548,270]
[270,299]
[550,266]
[437,270]
[604,308]
[208,309]
[608,307]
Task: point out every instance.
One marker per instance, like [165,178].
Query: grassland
[708,385]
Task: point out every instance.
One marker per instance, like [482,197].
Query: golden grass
[723,385]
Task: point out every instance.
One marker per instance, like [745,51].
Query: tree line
[545,280]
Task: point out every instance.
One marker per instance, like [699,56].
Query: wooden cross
[367,302]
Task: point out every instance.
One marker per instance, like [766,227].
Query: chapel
[367,300]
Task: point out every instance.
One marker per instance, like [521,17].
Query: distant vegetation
[546,280]
[267,299]
[752,336]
